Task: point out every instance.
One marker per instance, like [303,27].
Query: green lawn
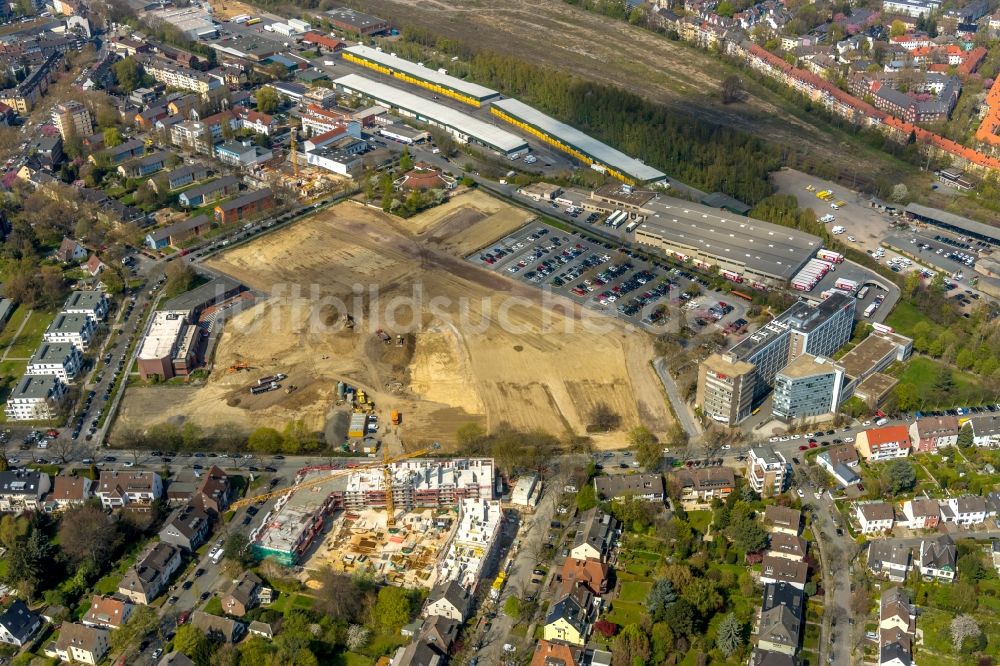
[905,316]
[922,372]
[700,520]
[624,612]
[635,591]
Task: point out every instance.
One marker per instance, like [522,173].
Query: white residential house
[890,559]
[938,558]
[985,430]
[967,510]
[59,359]
[36,398]
[921,514]
[118,488]
[76,329]
[79,644]
[874,517]
[93,303]
[18,624]
[22,489]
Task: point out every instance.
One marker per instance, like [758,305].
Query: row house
[704,484]
[874,517]
[69,491]
[22,490]
[250,204]
[921,514]
[144,166]
[787,546]
[782,519]
[967,511]
[883,443]
[897,626]
[121,488]
[931,433]
[209,192]
[985,430]
[938,559]
[179,177]
[781,619]
[149,576]
[178,232]
[889,559]
[570,618]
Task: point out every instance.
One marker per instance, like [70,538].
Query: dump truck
[257,390]
[395,417]
[359,426]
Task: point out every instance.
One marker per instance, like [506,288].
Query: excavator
[239,365]
[385,463]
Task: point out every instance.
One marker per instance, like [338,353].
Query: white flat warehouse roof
[601,152]
[420,72]
[478,130]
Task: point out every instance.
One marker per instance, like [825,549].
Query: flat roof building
[462,126]
[762,253]
[953,222]
[807,387]
[583,147]
[352,20]
[405,70]
[35,398]
[171,346]
[59,359]
[725,388]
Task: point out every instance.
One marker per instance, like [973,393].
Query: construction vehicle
[265,388]
[290,388]
[238,366]
[349,323]
[386,461]
[383,336]
[395,417]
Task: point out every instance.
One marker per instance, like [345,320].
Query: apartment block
[809,386]
[725,388]
[766,470]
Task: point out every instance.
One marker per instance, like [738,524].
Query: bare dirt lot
[477,347]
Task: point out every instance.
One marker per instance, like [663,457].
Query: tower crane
[386,471]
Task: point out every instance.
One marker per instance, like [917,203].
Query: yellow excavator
[386,461]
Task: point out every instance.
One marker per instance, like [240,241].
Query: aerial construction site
[457,362]
[410,521]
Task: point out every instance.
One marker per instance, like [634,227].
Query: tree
[112,137]
[357,637]
[747,534]
[963,627]
[12,529]
[265,440]
[86,532]
[27,563]
[732,89]
[512,607]
[192,641]
[661,595]
[680,617]
[340,596]
[602,417]
[237,549]
[897,28]
[268,100]
[405,161]
[141,623]
[586,498]
[703,594]
[900,192]
[180,278]
[630,645]
[128,73]
[392,609]
[647,449]
[902,476]
[730,635]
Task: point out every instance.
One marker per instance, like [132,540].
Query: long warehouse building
[760,253]
[462,126]
[587,149]
[415,73]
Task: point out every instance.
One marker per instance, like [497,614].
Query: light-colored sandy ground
[481,348]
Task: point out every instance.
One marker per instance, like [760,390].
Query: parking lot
[617,281]
[948,253]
